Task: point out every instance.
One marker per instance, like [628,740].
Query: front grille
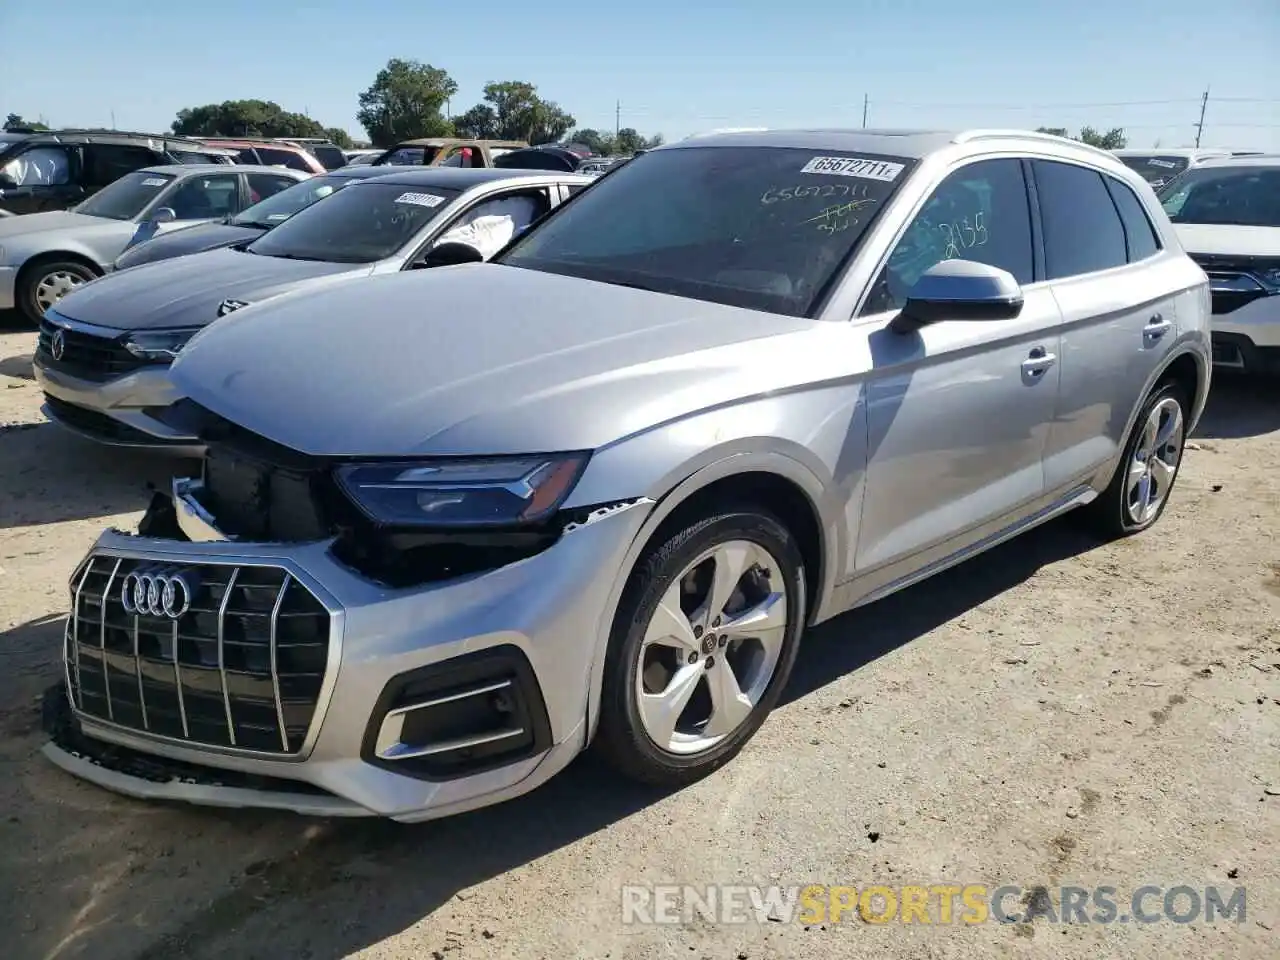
[1231,291]
[85,355]
[242,668]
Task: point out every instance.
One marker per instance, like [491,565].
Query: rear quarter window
[1140,235]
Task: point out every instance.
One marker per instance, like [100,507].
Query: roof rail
[968,136]
[105,131]
[720,130]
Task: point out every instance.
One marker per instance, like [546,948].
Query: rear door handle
[1037,362]
[1156,328]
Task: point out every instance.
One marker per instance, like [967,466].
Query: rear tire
[45,282]
[703,642]
[1139,491]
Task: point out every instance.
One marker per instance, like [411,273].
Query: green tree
[404,102]
[628,141]
[246,118]
[512,110]
[338,137]
[15,121]
[480,122]
[1113,139]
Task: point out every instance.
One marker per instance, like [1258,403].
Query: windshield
[127,197]
[1156,170]
[281,206]
[1244,196]
[368,222]
[760,227]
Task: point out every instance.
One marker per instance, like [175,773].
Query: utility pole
[865,101]
[1204,102]
[617,119]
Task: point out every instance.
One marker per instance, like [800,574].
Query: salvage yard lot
[1055,712]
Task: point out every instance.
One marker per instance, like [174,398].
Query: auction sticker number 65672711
[854,167]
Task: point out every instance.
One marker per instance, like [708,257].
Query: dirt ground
[1055,712]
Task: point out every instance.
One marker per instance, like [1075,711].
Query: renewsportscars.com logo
[937,904]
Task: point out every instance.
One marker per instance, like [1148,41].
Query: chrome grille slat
[137,671]
[247,669]
[222,652]
[275,668]
[177,680]
[78,699]
[102,640]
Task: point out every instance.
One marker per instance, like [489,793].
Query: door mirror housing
[7,182]
[164,215]
[450,254]
[959,290]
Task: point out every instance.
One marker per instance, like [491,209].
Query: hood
[179,243]
[52,220]
[481,359]
[186,291]
[1229,240]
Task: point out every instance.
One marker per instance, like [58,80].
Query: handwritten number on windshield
[963,235]
[822,190]
[839,217]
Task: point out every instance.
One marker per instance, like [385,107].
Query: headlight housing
[158,345]
[480,492]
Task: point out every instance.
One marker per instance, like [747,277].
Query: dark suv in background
[54,170]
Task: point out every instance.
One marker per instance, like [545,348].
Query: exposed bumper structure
[291,682]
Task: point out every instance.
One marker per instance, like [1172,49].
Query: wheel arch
[773,481]
[55,256]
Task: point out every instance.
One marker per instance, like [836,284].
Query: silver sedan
[44,256]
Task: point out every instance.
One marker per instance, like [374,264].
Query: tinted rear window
[331,157]
[762,227]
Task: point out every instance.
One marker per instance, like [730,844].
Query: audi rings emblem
[156,594]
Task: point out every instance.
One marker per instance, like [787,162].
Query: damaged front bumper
[287,680]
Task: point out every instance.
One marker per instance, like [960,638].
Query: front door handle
[1156,328]
[1038,361]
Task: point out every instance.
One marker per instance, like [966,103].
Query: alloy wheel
[711,647]
[1155,461]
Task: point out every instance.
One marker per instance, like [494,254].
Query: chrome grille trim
[314,649]
[222,654]
[102,637]
[177,679]
[275,667]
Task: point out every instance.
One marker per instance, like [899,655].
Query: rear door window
[263,185]
[1082,228]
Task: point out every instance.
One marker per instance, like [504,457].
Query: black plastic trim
[505,662]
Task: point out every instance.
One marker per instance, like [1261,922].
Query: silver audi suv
[454,526]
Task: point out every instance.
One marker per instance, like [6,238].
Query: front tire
[702,645]
[1139,491]
[46,282]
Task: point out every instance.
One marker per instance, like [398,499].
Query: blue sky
[676,67]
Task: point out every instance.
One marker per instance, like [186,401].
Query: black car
[249,224]
[54,170]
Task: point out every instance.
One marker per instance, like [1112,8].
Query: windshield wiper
[296,256]
[260,224]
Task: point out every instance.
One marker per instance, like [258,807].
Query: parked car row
[453,526]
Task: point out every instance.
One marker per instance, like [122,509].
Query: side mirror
[7,182]
[450,254]
[959,290]
[164,215]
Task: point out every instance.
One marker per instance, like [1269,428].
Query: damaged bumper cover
[428,700]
